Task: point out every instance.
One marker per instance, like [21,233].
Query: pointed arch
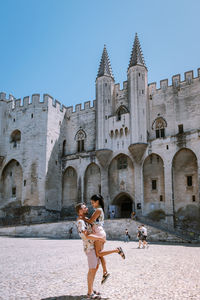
[120,111]
[12,177]
[92,181]
[123,204]
[154,183]
[80,138]
[185,183]
[69,190]
[121,175]
[159,126]
[15,137]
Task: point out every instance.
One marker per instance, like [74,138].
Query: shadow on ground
[81,297]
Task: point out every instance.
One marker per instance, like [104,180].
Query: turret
[104,98]
[137,93]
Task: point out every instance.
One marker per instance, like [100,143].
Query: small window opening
[154,184]
[161,198]
[24,182]
[180,128]
[189,180]
[167,147]
[80,145]
[193,198]
[14,191]
[32,116]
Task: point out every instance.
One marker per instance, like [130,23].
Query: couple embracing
[94,237]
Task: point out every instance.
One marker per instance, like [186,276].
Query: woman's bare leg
[101,253]
[99,247]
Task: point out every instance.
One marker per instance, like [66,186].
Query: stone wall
[115,230]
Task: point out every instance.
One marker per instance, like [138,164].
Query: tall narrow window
[180,128]
[189,180]
[64,148]
[80,139]
[159,126]
[154,184]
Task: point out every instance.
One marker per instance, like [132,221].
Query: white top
[144,231]
[88,245]
[100,220]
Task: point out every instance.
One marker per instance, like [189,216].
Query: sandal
[105,277]
[96,293]
[121,252]
[92,296]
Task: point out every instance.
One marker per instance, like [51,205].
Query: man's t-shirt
[88,245]
[144,231]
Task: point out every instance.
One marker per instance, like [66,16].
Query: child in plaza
[97,221]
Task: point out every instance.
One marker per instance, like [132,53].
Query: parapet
[176,82]
[117,86]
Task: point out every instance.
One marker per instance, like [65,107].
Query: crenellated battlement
[175,80]
[117,87]
[37,101]
[80,108]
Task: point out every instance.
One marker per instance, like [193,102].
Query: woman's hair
[99,198]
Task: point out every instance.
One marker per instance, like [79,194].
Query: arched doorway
[123,205]
[69,191]
[185,184]
[11,180]
[154,184]
[92,182]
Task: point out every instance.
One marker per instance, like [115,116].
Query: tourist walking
[97,221]
[139,236]
[127,236]
[144,237]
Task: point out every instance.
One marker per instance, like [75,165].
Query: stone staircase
[190,236]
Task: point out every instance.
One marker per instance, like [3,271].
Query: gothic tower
[137,86]
[104,97]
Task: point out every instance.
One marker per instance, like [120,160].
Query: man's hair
[78,207]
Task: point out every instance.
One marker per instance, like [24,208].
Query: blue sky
[55,46]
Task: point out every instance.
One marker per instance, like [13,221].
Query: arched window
[120,111]
[122,162]
[116,132]
[126,131]
[80,138]
[111,133]
[15,138]
[159,126]
[121,131]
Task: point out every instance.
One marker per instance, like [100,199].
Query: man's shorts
[143,238]
[93,260]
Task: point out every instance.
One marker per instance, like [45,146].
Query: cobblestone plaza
[56,269]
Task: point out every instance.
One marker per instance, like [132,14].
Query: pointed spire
[105,67]
[136,54]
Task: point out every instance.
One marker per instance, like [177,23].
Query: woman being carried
[97,221]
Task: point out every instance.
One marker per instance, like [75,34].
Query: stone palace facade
[138,146]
